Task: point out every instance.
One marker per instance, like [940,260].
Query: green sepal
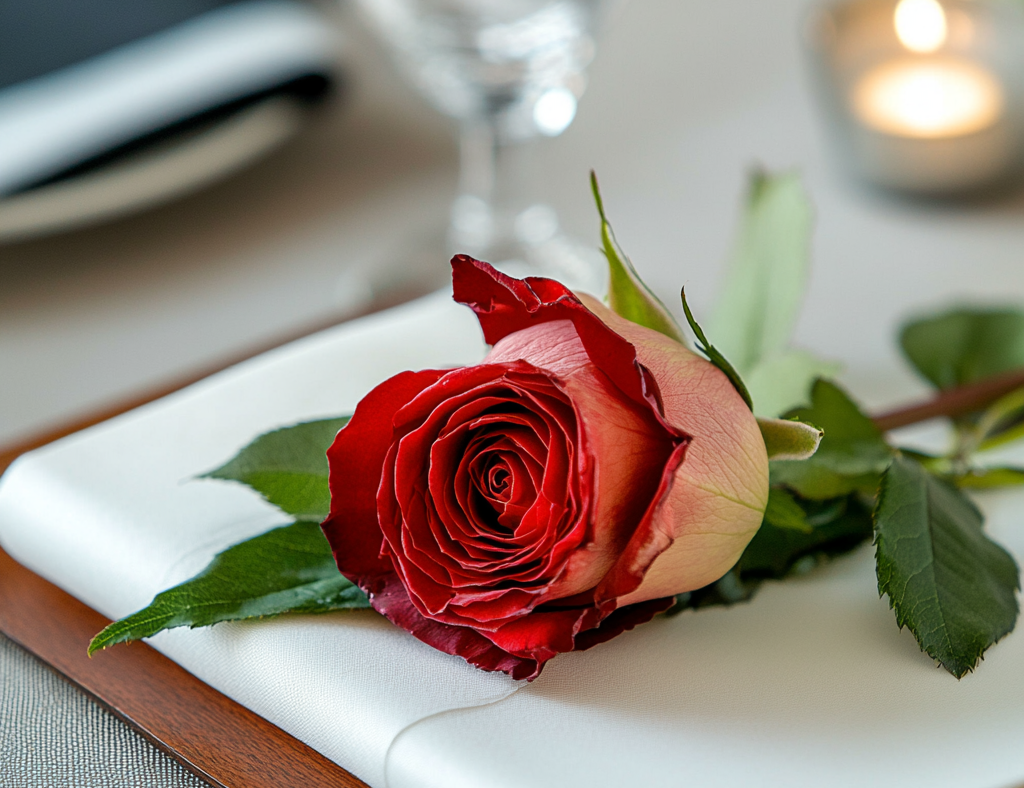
[628,296]
[784,512]
[288,467]
[951,585]
[788,439]
[713,355]
[767,278]
[852,454]
[287,570]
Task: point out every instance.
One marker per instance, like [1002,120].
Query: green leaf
[1002,422]
[768,274]
[713,355]
[837,527]
[628,296]
[953,470]
[965,345]
[286,570]
[946,580]
[786,439]
[990,478]
[852,455]
[288,467]
[783,381]
[933,463]
[784,512]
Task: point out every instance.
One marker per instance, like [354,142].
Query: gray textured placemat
[52,735]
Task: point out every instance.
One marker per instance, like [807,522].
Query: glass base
[419,261]
[527,244]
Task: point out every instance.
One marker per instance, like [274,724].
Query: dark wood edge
[208,733]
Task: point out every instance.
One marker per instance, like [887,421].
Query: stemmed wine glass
[509,71]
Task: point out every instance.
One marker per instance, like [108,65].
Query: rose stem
[953,402]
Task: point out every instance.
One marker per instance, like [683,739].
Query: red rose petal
[621,620]
[393,602]
[444,578]
[504,305]
[355,459]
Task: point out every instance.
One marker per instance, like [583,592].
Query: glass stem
[493,182]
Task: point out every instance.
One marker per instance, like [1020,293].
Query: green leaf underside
[965,345]
[946,580]
[852,455]
[286,570]
[768,274]
[713,355]
[786,439]
[628,296]
[288,467]
[782,382]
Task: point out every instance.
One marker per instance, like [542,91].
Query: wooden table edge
[209,734]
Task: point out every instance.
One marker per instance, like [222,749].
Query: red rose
[552,497]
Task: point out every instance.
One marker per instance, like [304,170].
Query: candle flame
[921,25]
[929,99]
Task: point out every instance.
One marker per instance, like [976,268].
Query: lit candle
[927,98]
[924,96]
[930,100]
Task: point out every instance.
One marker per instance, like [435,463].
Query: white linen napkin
[113,515]
[810,684]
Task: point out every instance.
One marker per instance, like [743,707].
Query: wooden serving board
[209,734]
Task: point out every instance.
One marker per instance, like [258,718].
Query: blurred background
[185,182]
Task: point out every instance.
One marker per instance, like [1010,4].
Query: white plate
[155,174]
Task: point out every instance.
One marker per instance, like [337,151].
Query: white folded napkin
[113,515]
[810,684]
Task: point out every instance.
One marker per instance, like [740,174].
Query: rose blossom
[552,497]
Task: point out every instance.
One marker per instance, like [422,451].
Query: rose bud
[559,493]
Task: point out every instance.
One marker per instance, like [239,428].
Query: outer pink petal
[504,305]
[631,450]
[637,458]
[718,495]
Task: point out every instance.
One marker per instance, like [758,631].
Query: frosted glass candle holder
[923,96]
